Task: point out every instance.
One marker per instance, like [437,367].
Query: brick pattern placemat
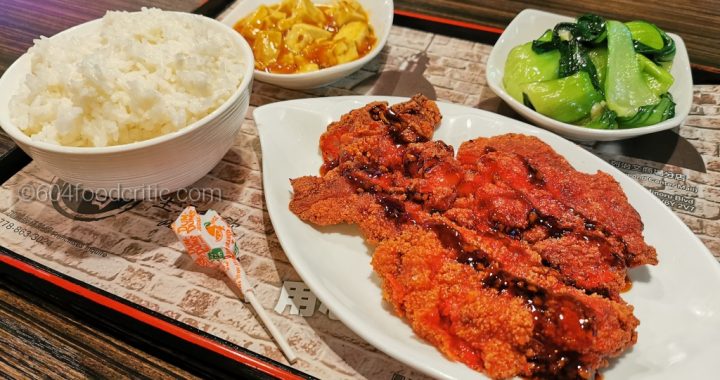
[127,249]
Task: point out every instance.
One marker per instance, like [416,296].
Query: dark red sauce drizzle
[394,209]
[554,230]
[534,177]
[549,222]
[363,176]
[555,315]
[330,165]
[450,239]
[397,126]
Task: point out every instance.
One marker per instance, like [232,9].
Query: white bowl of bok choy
[591,78]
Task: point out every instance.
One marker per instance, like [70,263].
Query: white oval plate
[529,25]
[676,302]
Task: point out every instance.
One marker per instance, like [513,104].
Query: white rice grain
[143,75]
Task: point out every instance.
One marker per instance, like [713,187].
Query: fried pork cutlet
[581,224]
[412,121]
[497,315]
[505,258]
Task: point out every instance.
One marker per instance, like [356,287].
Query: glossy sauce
[563,325]
[320,53]
[394,209]
[556,317]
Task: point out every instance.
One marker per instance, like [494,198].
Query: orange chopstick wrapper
[209,240]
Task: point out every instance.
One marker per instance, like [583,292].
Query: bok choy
[596,73]
[625,86]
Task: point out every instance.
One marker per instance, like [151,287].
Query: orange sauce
[319,53]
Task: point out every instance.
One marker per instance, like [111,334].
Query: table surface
[40,337]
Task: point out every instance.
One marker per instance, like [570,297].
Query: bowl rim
[572,130]
[21,138]
[328,71]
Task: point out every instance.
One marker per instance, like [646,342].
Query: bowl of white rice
[135,103]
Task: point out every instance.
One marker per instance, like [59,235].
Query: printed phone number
[22,231]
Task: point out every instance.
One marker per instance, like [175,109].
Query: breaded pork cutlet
[581,224]
[481,307]
[505,258]
[403,123]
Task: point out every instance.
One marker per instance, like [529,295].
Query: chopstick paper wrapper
[211,243]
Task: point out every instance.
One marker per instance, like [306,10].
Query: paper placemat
[127,248]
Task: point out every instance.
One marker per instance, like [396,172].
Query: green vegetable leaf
[625,87]
[523,65]
[656,77]
[573,58]
[599,58]
[565,31]
[652,41]
[590,28]
[646,33]
[566,99]
[650,114]
[600,118]
[545,43]
[626,64]
[526,102]
[571,40]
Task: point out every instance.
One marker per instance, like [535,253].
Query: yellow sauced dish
[297,36]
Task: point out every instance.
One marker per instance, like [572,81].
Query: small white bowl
[529,25]
[144,169]
[381,19]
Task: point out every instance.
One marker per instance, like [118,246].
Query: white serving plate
[528,25]
[381,19]
[676,302]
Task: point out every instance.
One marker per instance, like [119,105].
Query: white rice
[143,75]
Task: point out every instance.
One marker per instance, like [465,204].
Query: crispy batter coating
[505,258]
[357,123]
[596,197]
[414,120]
[333,200]
[445,304]
[518,320]
[581,224]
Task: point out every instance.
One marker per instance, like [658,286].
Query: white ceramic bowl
[142,169]
[529,25]
[381,19]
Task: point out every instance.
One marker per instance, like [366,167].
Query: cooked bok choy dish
[596,73]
